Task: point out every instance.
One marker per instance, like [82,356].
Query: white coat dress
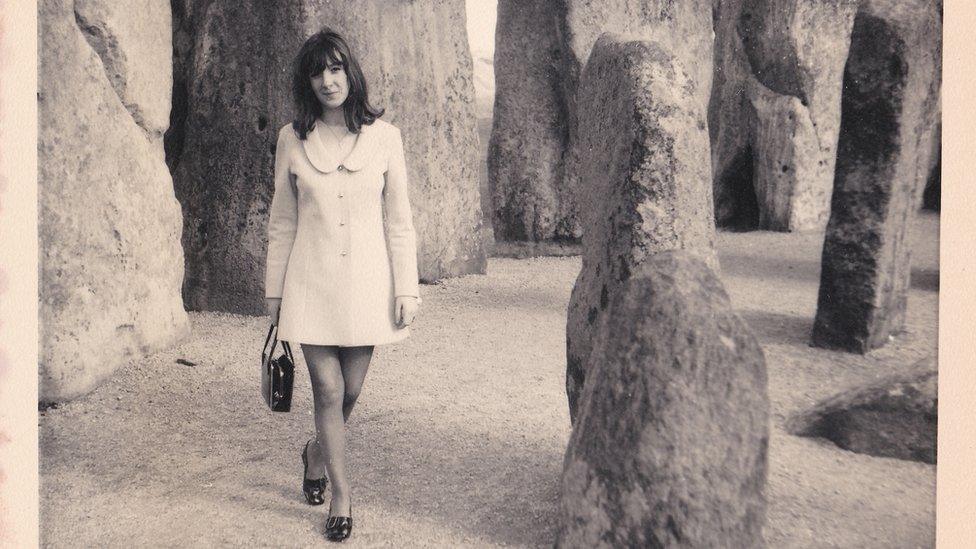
[335,268]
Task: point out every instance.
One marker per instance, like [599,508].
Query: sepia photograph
[484,273]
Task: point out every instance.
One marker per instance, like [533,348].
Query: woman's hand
[406,310]
[273,305]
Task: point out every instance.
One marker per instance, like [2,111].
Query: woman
[336,282]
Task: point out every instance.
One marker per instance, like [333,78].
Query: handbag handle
[284,344]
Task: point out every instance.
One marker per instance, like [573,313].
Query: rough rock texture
[530,126]
[221,146]
[644,187]
[542,47]
[895,417]
[109,223]
[670,446]
[890,111]
[418,67]
[776,106]
[732,123]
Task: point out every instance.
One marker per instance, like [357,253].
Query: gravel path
[460,432]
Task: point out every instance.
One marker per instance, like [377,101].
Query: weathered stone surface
[786,58]
[416,62]
[530,126]
[797,50]
[890,107]
[732,124]
[670,446]
[221,145]
[133,41]
[542,47]
[644,185]
[109,223]
[894,417]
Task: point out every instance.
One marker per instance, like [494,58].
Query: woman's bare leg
[355,363]
[328,390]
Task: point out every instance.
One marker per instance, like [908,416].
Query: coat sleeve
[283,222]
[401,238]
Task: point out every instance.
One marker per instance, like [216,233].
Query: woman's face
[331,86]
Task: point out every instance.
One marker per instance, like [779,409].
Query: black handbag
[277,373]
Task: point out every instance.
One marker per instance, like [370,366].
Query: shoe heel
[314,489]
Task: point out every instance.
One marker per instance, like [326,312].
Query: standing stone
[109,223]
[670,445]
[640,157]
[788,57]
[542,47]
[797,50]
[530,126]
[890,109]
[417,64]
[732,124]
[222,146]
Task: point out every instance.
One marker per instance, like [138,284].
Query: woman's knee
[328,394]
[328,387]
[350,395]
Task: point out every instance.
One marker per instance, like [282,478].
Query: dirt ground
[459,436]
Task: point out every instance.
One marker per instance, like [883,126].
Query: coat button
[341,167]
[342,252]
[340,195]
[341,223]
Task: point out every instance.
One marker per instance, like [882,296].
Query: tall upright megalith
[541,49]
[667,385]
[890,112]
[776,110]
[530,126]
[238,59]
[221,145]
[109,224]
[644,186]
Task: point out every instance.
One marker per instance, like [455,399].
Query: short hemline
[332,343]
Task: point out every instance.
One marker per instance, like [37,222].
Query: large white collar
[325,161]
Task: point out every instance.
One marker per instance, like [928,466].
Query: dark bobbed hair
[318,52]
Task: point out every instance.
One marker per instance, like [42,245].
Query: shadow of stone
[925,279]
[777,328]
[805,271]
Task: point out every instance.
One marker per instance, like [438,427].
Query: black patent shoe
[338,528]
[314,489]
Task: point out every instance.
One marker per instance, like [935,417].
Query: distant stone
[530,127]
[236,61]
[895,417]
[732,122]
[109,224]
[890,110]
[644,187]
[542,47]
[786,59]
[670,444]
